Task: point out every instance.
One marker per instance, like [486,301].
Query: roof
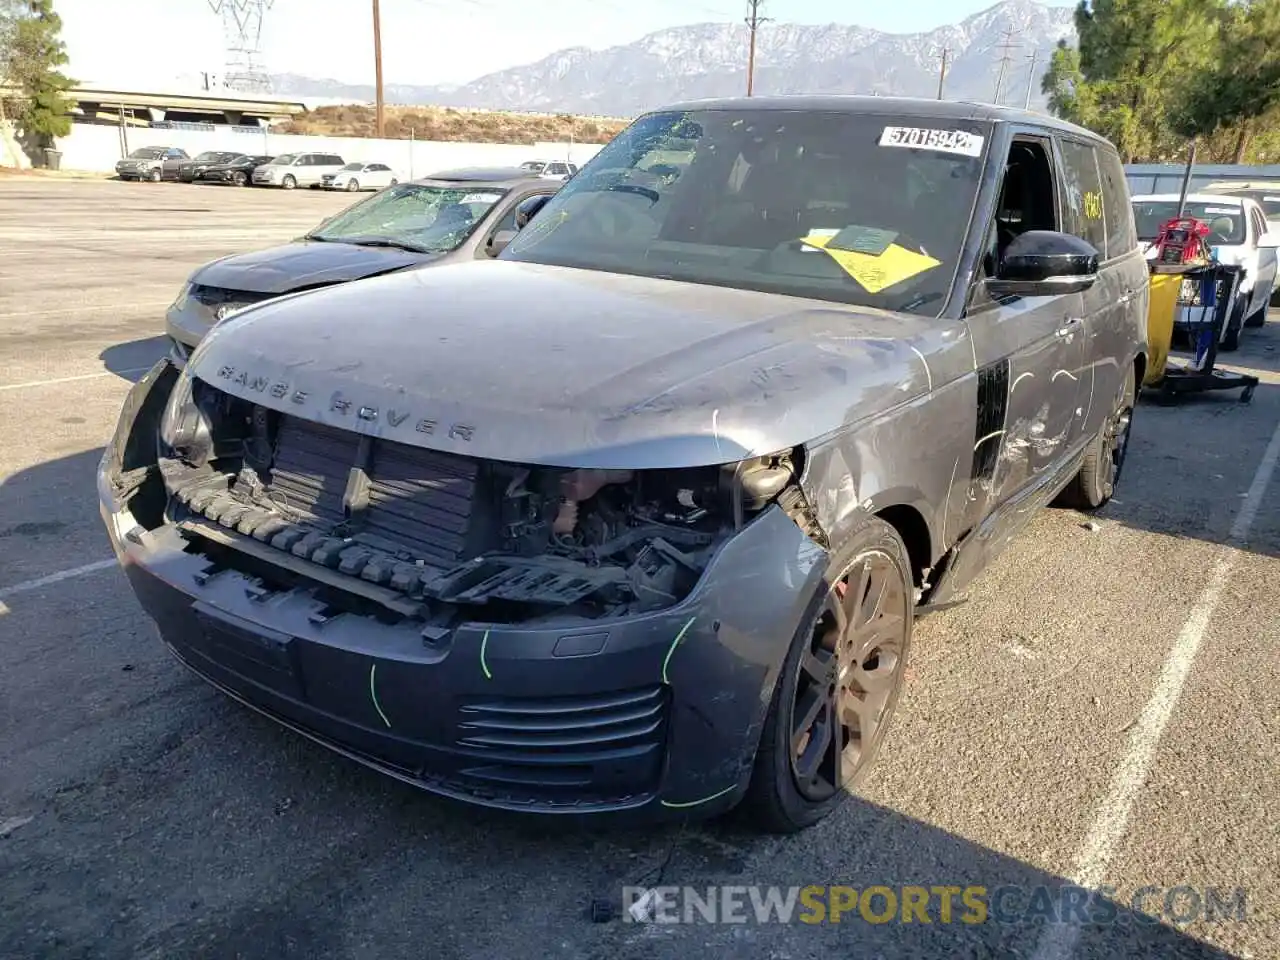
[493,176]
[214,103]
[890,106]
[1221,199]
[1241,185]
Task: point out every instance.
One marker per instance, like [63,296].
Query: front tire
[154,176]
[838,686]
[353,185]
[289,182]
[240,178]
[1094,485]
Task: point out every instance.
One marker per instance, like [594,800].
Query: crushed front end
[533,638]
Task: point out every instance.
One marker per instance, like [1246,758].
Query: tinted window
[1082,195]
[331,160]
[558,169]
[1116,209]
[1225,220]
[834,205]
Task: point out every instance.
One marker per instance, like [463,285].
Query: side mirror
[1269,240]
[1045,263]
[528,209]
[498,242]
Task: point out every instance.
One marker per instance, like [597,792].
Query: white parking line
[53,578]
[63,311]
[83,376]
[1109,825]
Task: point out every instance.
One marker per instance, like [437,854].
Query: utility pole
[1007,45]
[1031,78]
[942,74]
[377,65]
[753,24]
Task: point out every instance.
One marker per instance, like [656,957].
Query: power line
[753,24]
[1007,45]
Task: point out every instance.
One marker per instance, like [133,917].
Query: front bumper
[651,716]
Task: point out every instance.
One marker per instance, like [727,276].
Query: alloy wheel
[849,676]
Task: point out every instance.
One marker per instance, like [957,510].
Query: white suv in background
[291,170]
[1238,231]
[550,169]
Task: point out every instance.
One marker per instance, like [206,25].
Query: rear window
[1226,221]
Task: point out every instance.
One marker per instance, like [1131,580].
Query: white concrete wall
[97,148]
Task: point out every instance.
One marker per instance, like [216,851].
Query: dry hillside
[448,124]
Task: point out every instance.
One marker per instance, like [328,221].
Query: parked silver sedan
[360,176]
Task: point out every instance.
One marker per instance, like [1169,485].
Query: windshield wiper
[374,242]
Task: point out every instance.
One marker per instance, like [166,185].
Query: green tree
[1130,58]
[1243,86]
[31,53]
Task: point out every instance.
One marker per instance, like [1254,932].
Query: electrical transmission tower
[1006,45]
[242,32]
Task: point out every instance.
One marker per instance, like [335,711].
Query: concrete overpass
[93,104]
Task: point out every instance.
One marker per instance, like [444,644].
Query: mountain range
[709,60]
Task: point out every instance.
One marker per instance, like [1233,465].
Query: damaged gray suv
[635,519]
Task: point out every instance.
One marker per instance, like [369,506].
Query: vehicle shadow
[133,359]
[200,829]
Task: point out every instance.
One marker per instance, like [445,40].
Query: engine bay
[449,532]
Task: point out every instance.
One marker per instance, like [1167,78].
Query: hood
[304,263]
[576,368]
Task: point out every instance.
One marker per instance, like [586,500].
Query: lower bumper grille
[609,742]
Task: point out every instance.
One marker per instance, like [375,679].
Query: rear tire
[1231,337]
[809,757]
[1094,485]
[1259,317]
[393,182]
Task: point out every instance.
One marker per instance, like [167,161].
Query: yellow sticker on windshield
[874,272]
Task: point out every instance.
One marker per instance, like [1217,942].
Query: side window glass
[1082,195]
[1116,208]
[508,221]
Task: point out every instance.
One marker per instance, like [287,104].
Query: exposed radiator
[418,500]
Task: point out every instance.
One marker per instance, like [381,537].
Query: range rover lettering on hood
[394,417]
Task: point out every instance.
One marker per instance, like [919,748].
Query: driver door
[1028,351]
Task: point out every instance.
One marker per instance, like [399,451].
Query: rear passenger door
[1095,210]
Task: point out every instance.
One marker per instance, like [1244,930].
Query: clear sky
[423,41]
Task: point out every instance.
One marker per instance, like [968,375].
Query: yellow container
[1161,308]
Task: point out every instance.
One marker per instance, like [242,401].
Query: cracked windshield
[862,209]
[415,216]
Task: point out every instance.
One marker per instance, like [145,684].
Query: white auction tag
[942,141]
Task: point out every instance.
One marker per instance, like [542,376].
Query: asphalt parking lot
[1105,708]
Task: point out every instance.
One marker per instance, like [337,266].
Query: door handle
[1069,326]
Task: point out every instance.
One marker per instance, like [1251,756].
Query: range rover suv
[635,519]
